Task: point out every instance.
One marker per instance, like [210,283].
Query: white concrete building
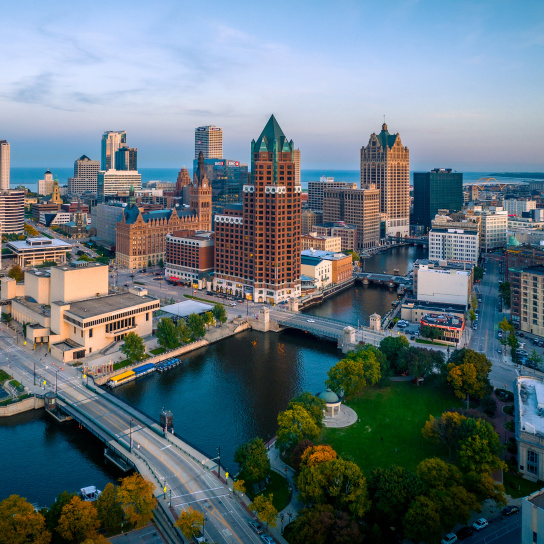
[111,182]
[456,245]
[494,222]
[45,185]
[320,270]
[60,218]
[516,207]
[444,285]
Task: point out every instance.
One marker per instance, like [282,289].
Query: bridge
[416,240]
[390,280]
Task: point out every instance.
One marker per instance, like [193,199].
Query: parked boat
[89,494]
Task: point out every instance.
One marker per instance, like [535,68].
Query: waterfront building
[456,245]
[385,164]
[413,310]
[35,251]
[310,218]
[443,284]
[68,307]
[325,243]
[141,237]
[112,140]
[518,207]
[341,264]
[316,190]
[346,233]
[527,298]
[258,242]
[85,176]
[12,211]
[438,189]
[45,185]
[319,270]
[359,207]
[209,142]
[189,256]
[4,165]
[112,182]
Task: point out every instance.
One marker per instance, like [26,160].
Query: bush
[510,426]
[512,446]
[489,406]
[504,395]
[508,409]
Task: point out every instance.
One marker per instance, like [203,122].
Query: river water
[223,395]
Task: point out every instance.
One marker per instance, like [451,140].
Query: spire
[271,133]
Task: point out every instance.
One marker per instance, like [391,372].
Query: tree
[136,497]
[78,519]
[253,460]
[472,315]
[149,264]
[52,515]
[16,273]
[208,319]
[196,325]
[239,486]
[505,292]
[109,510]
[219,313]
[161,263]
[312,404]
[422,521]
[535,358]
[392,347]
[445,429]
[432,333]
[298,450]
[20,524]
[484,487]
[317,454]
[420,362]
[190,522]
[437,474]
[97,539]
[30,230]
[506,325]
[294,425]
[167,335]
[468,373]
[474,302]
[133,347]
[478,274]
[385,369]
[351,375]
[183,332]
[264,509]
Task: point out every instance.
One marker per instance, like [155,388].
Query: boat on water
[89,494]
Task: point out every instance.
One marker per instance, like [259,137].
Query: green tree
[506,325]
[253,460]
[385,369]
[264,509]
[472,315]
[505,292]
[16,273]
[474,302]
[190,522]
[161,263]
[219,313]
[434,473]
[196,325]
[535,358]
[183,332]
[392,347]
[312,404]
[422,522]
[136,497]
[167,335]
[431,333]
[208,319]
[484,487]
[468,374]
[20,524]
[478,274]
[78,520]
[52,515]
[133,347]
[294,425]
[446,429]
[351,375]
[109,510]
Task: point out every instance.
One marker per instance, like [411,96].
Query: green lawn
[389,428]
[157,351]
[516,486]
[278,486]
[127,362]
[203,300]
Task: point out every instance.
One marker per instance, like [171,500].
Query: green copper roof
[328,396]
[272,132]
[513,241]
[385,138]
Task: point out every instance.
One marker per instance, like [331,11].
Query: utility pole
[219,461]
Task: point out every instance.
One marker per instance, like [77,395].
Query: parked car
[499,350]
[256,526]
[449,539]
[509,510]
[464,532]
[480,524]
[268,539]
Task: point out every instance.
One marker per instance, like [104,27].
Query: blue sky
[461,81]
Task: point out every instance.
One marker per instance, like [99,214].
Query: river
[222,395]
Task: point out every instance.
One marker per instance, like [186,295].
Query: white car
[479,524]
[310,320]
[449,539]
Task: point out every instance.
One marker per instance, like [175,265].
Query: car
[464,532]
[232,304]
[449,539]
[521,335]
[310,320]
[126,284]
[509,510]
[256,526]
[268,539]
[499,350]
[480,524]
[412,337]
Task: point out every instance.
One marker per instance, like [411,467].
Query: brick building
[346,233]
[324,243]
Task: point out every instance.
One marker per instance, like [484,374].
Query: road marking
[204,499]
[194,492]
[165,447]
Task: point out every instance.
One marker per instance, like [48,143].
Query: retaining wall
[32,403]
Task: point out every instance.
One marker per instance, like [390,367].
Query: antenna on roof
[384,117]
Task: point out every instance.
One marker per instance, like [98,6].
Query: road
[190,484]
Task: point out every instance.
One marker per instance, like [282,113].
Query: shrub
[508,409]
[489,406]
[504,395]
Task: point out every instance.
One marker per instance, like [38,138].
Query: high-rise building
[4,165]
[360,207]
[209,142]
[258,242]
[12,211]
[45,185]
[385,163]
[113,181]
[435,190]
[494,221]
[126,158]
[309,218]
[527,298]
[455,245]
[85,176]
[296,158]
[183,180]
[316,188]
[112,140]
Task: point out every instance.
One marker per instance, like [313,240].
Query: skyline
[471,77]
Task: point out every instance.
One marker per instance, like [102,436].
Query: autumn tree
[16,273]
[446,430]
[317,454]
[219,313]
[96,539]
[133,347]
[312,404]
[183,332]
[392,347]
[421,522]
[109,510]
[136,497]
[196,325]
[264,510]
[190,522]
[468,374]
[209,319]
[52,515]
[351,375]
[253,460]
[239,486]
[298,450]
[20,523]
[167,335]
[484,487]
[294,425]
[78,520]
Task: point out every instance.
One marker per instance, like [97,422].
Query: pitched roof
[385,138]
[272,132]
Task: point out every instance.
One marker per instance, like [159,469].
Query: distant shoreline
[533,175]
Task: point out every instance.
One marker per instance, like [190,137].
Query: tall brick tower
[201,196]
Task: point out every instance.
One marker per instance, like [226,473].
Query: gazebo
[332,401]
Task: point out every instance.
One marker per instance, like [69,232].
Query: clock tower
[201,196]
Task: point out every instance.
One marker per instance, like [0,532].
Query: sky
[462,82]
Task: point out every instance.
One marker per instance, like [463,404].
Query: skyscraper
[209,141]
[439,189]
[385,163]
[112,140]
[85,176]
[126,158]
[4,164]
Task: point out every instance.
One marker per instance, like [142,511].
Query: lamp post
[34,372]
[130,433]
[219,461]
[204,520]
[289,514]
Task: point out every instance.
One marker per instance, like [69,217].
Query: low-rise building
[346,233]
[456,245]
[34,251]
[527,298]
[341,264]
[494,227]
[413,310]
[55,218]
[316,268]
[443,284]
[323,243]
[532,517]
[450,326]
[44,207]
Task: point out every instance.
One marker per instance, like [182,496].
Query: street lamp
[219,461]
[290,515]
[34,371]
[130,432]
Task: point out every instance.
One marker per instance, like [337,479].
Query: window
[532,462]
[90,333]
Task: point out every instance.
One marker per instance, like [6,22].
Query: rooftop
[186,308]
[437,307]
[38,243]
[531,405]
[537,499]
[448,321]
[322,254]
[107,304]
[454,231]
[433,264]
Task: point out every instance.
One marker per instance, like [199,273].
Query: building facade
[209,142]
[385,164]
[341,264]
[316,190]
[319,270]
[359,207]
[442,284]
[12,211]
[111,182]
[324,243]
[4,165]
[494,228]
[518,206]
[126,158]
[258,243]
[105,219]
[112,140]
[527,298]
[85,176]
[455,245]
[346,233]
[34,251]
[438,189]
[45,185]
[309,219]
[296,160]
